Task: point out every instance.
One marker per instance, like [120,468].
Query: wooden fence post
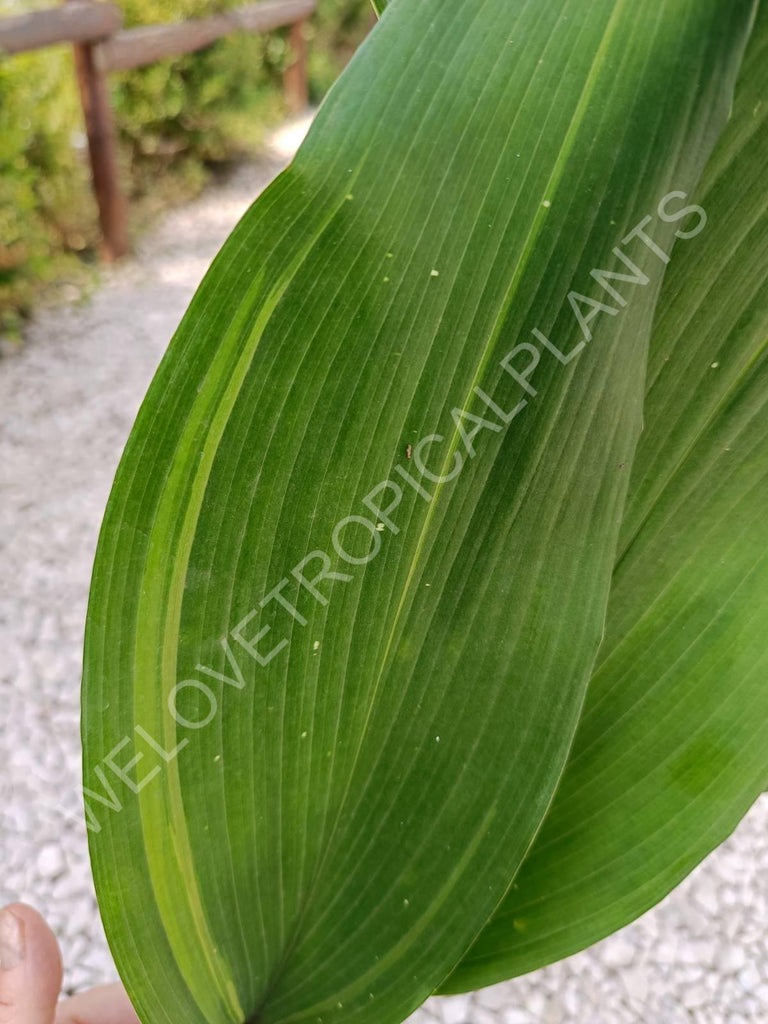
[102,148]
[295,76]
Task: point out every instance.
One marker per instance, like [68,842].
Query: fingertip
[30,967]
[41,948]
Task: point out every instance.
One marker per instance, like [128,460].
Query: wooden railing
[93,27]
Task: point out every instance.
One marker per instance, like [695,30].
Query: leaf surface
[307,796]
[672,748]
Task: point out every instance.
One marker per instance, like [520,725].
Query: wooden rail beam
[137,46]
[79,21]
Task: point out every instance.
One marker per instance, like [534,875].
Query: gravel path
[67,401]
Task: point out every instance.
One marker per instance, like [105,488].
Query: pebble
[619,953]
[512,1015]
[695,997]
[456,1010]
[749,978]
[50,861]
[635,982]
[496,997]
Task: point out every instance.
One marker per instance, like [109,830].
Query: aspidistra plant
[412,664]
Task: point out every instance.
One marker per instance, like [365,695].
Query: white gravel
[67,401]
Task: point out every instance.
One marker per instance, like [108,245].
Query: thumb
[106,1005]
[30,967]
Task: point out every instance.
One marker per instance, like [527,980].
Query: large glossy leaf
[337,778]
[673,745]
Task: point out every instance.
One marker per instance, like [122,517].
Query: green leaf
[672,748]
[319,837]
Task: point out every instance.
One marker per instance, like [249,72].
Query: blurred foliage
[178,121]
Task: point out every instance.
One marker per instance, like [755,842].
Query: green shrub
[47,214]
